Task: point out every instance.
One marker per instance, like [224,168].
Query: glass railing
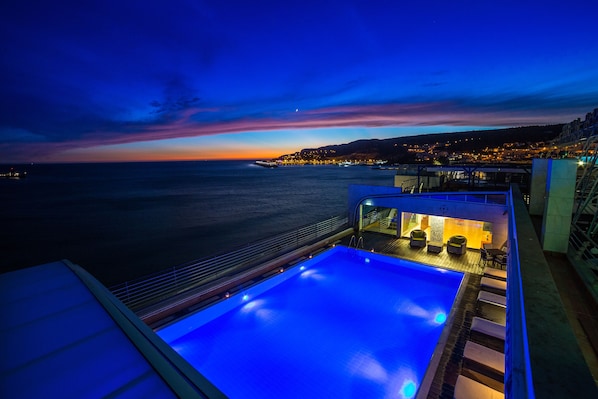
[152,289]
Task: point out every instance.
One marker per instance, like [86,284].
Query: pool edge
[430,373]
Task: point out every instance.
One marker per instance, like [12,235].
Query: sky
[95,81]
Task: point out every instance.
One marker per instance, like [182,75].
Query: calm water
[121,221]
[345,324]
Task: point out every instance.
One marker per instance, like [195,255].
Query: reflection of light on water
[412,309]
[366,366]
[367,260]
[436,315]
[258,308]
[248,307]
[313,274]
[401,383]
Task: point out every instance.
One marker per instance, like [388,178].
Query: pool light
[408,389]
[227,295]
[440,317]
[245,297]
[302,268]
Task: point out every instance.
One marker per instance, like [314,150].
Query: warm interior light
[227,295]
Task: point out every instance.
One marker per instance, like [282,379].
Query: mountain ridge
[395,149]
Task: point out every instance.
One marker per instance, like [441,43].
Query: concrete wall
[558,207]
[538,186]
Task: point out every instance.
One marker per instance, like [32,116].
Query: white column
[558,209]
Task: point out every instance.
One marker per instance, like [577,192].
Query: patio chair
[456,245]
[495,273]
[490,359]
[485,257]
[500,261]
[418,239]
[488,328]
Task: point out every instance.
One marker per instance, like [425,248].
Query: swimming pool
[345,324]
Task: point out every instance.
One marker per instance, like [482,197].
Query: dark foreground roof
[64,335]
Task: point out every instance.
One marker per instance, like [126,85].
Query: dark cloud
[78,73]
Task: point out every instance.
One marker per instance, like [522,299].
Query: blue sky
[136,80]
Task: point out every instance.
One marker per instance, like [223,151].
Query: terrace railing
[148,290]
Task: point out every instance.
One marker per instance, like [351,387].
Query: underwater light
[302,268]
[408,389]
[245,297]
[367,260]
[440,318]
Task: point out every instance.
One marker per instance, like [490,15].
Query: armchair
[456,245]
[418,239]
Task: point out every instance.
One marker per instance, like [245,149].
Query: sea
[121,221]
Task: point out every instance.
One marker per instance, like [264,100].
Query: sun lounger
[495,273]
[466,388]
[493,283]
[492,298]
[487,357]
[488,327]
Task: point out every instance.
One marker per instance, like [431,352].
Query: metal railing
[149,290]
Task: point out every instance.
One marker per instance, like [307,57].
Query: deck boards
[389,245]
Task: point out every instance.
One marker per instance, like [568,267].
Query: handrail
[518,379]
[148,290]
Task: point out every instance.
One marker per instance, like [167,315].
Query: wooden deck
[451,363]
[399,247]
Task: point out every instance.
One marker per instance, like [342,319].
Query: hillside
[395,149]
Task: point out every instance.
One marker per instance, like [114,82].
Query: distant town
[515,145]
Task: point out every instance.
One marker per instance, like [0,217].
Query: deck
[399,247]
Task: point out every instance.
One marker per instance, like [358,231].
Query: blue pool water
[345,324]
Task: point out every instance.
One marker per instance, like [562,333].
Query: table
[435,246]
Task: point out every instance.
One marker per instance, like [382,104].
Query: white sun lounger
[495,273]
[493,283]
[492,298]
[488,327]
[490,358]
[466,388]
